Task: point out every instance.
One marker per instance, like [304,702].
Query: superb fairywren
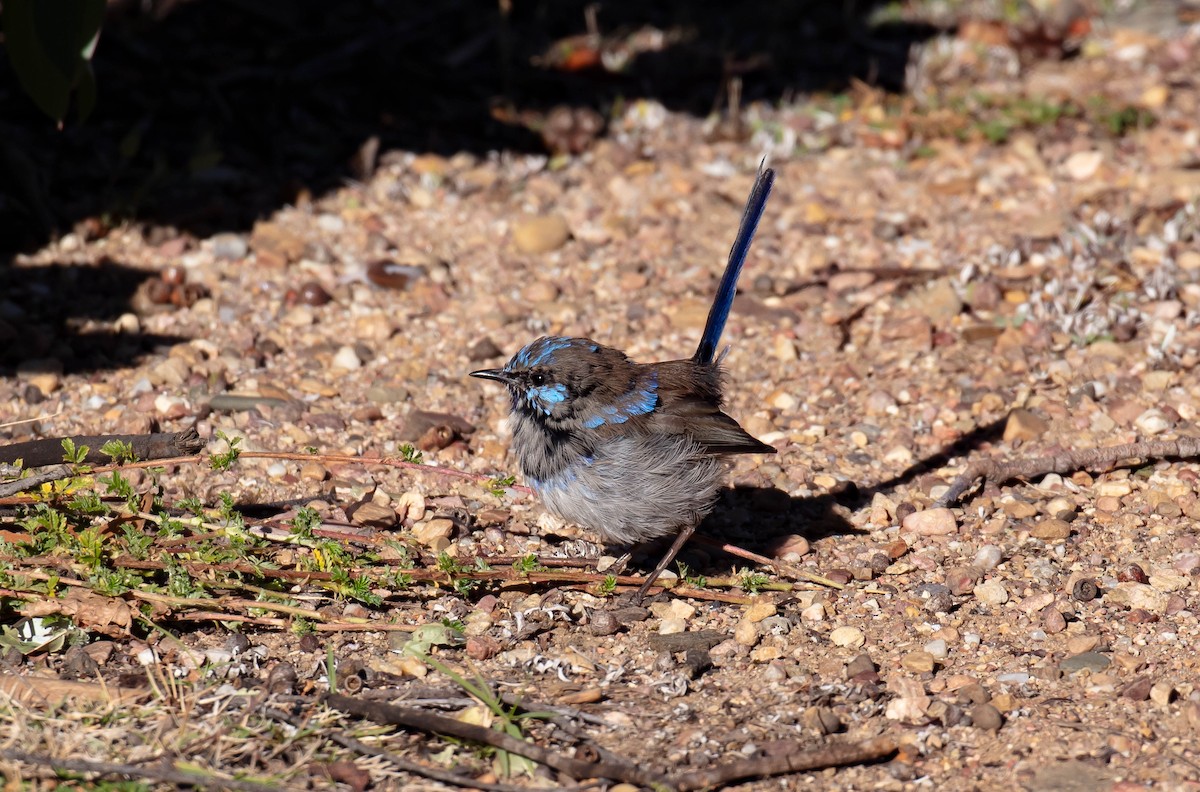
[632,451]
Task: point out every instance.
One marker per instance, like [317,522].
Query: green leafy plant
[118,485]
[225,460]
[449,564]
[499,484]
[304,522]
[753,582]
[71,453]
[527,563]
[410,454]
[119,451]
[685,574]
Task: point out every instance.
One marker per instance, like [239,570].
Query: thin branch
[162,774]
[795,761]
[425,771]
[9,488]
[998,471]
[438,724]
[780,568]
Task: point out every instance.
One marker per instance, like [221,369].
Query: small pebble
[672,626]
[1082,165]
[986,717]
[862,664]
[849,637]
[961,580]
[987,557]
[390,275]
[931,522]
[1091,661]
[229,247]
[433,532]
[991,592]
[540,234]
[312,293]
[1152,422]
[1162,693]
[604,622]
[346,359]
[791,548]
[920,662]
[758,611]
[813,613]
[1024,425]
[746,633]
[1138,689]
[1051,530]
[1053,621]
[1132,572]
[937,649]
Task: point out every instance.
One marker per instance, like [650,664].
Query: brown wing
[713,429]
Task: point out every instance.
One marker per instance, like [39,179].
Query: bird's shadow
[766,519]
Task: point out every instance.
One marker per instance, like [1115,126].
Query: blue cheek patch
[544,397]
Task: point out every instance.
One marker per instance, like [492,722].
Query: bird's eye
[537,379]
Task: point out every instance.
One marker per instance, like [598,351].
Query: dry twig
[438,724]
[797,761]
[416,768]
[1067,462]
[162,773]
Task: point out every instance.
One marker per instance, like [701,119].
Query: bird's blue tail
[737,257]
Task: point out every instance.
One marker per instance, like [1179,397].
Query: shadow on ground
[67,313]
[770,517]
[212,113]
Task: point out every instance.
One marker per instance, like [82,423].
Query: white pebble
[813,613]
[938,649]
[991,592]
[346,359]
[850,637]
[988,557]
[1152,422]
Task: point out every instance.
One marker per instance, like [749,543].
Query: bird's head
[553,378]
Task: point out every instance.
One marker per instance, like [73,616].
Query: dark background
[212,113]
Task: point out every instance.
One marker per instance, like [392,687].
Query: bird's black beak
[500,375]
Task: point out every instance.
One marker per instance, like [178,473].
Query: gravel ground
[1005,263]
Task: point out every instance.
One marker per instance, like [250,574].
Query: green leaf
[119,451]
[73,454]
[50,44]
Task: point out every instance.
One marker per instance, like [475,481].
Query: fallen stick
[438,724]
[999,472]
[798,761]
[161,445]
[164,774]
[425,771]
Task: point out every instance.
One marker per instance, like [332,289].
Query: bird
[631,451]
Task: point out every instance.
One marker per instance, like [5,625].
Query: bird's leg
[682,537]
